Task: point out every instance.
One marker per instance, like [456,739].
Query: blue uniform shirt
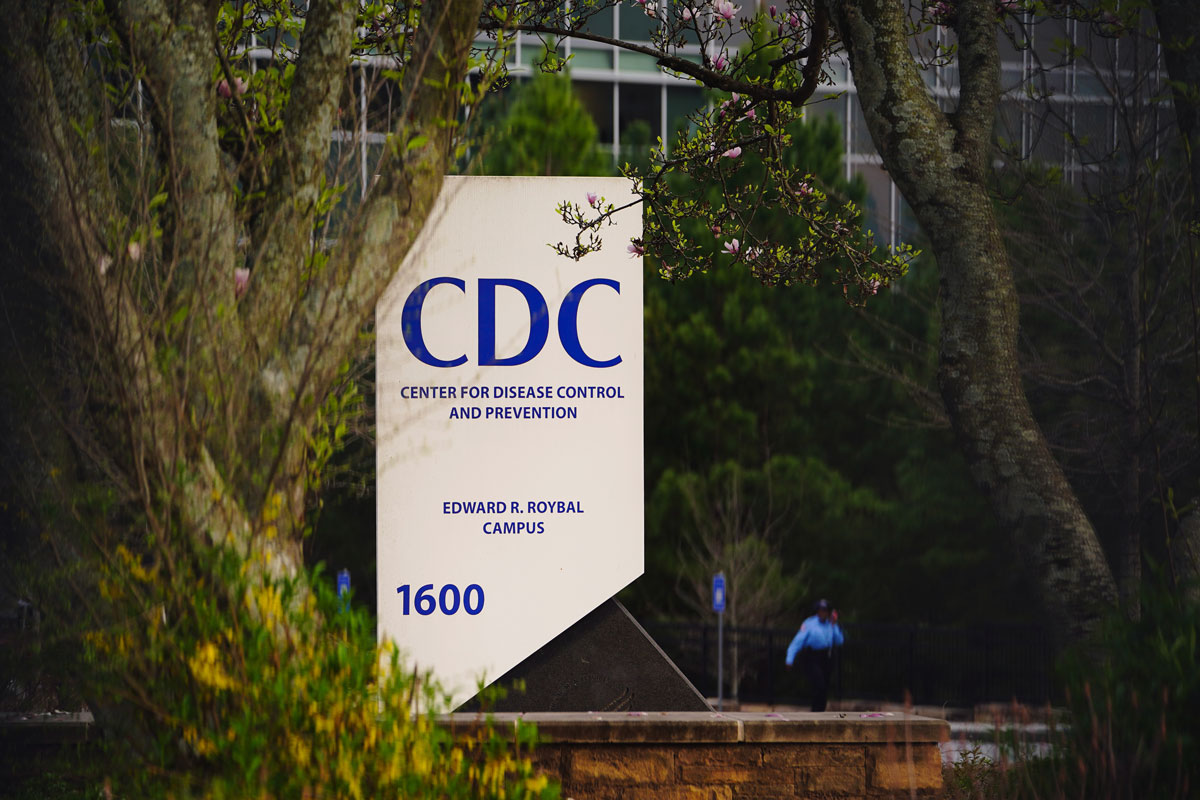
[815,635]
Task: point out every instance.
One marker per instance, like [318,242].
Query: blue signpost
[718,602]
[343,588]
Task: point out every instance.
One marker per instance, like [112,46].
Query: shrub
[1134,710]
[269,689]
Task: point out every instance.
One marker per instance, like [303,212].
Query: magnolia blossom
[103,263]
[241,281]
[732,152]
[721,61]
[804,190]
[716,229]
[239,88]
[940,11]
[732,247]
[649,6]
[793,20]
[873,285]
[1110,23]
[773,10]
[750,114]
[592,198]
[686,14]
[636,249]
[135,251]
[725,9]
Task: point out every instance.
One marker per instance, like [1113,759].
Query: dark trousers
[818,666]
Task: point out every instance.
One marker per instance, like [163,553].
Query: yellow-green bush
[252,687]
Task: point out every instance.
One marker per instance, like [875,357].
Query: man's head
[822,609]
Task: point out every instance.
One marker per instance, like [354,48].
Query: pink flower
[1110,23]
[732,152]
[750,114]
[636,249]
[732,247]
[804,190]
[241,281]
[725,9]
[793,20]
[941,11]
[135,251]
[592,198]
[773,11]
[103,263]
[721,62]
[873,285]
[686,14]
[239,88]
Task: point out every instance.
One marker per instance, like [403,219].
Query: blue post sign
[343,587]
[719,592]
[719,607]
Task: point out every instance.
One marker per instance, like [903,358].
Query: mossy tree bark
[940,162]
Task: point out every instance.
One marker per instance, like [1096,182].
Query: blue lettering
[539,322]
[568,323]
[539,330]
[411,323]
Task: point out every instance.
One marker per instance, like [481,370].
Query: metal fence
[948,666]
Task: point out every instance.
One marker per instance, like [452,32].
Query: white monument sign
[509,416]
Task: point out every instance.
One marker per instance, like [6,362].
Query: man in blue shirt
[814,643]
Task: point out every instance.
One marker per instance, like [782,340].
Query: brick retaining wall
[714,756]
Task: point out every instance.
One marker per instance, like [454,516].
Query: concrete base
[604,662]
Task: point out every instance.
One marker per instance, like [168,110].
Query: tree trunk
[941,164]
[1129,568]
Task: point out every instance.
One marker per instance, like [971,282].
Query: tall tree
[942,163]
[178,329]
[544,130]
[939,151]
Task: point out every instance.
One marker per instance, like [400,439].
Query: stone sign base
[714,756]
[604,662]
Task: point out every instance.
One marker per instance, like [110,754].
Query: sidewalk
[996,730]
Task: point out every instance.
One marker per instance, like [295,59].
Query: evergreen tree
[544,130]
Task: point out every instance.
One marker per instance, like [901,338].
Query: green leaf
[179,316]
